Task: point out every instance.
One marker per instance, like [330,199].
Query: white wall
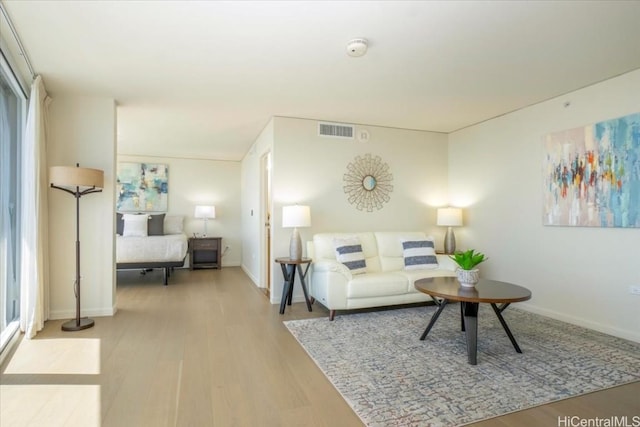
[204,182]
[252,221]
[580,275]
[82,130]
[308,170]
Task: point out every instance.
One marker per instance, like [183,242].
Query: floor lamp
[78,182]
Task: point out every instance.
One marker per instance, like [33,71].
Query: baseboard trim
[85,312]
[585,323]
[231,264]
[248,273]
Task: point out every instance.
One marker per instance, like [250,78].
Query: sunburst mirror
[367,183]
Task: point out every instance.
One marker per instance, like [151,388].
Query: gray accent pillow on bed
[156,225]
[119,224]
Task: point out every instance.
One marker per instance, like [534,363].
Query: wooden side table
[205,252]
[289,267]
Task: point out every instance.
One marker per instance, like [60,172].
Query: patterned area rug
[391,378]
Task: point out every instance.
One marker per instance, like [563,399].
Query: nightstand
[205,252]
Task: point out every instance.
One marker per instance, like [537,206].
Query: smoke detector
[357,47]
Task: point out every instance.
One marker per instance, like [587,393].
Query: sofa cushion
[324,247]
[419,254]
[412,275]
[349,252]
[390,247]
[376,285]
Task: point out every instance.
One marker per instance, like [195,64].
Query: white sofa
[385,282]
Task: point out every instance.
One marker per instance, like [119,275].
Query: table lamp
[205,212]
[294,217]
[449,217]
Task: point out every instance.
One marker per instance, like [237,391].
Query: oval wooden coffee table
[486,291]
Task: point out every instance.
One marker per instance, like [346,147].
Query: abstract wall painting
[591,175]
[142,187]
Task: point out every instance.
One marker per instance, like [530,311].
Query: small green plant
[467,260]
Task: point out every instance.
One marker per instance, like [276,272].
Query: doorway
[265,217]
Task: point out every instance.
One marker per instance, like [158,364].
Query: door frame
[266,221]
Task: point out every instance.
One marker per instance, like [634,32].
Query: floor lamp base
[72,325]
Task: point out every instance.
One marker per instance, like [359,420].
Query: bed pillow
[119,224]
[173,224]
[155,225]
[419,254]
[135,225]
[349,252]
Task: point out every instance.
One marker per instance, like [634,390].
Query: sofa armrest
[329,282]
[446,263]
[332,266]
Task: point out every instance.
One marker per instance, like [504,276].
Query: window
[12,113]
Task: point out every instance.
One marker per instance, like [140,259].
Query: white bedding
[170,247]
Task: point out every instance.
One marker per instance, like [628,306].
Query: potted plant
[468,274]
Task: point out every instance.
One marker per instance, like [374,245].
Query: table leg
[292,275]
[498,311]
[303,283]
[471,330]
[286,287]
[461,318]
[435,316]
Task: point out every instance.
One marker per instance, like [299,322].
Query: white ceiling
[201,79]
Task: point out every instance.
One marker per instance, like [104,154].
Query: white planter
[468,278]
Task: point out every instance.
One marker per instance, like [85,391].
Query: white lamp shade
[296,216]
[205,211]
[449,217]
[73,176]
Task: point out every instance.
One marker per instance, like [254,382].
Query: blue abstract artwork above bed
[142,187]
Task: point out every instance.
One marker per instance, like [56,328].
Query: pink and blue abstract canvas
[591,175]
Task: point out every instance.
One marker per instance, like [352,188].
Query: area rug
[391,378]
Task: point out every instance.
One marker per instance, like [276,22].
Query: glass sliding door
[12,110]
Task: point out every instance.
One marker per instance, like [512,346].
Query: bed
[150,241]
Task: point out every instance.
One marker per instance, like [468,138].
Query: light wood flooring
[208,350]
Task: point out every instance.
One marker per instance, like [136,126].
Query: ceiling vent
[335,130]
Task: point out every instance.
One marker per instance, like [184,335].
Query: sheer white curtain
[34,267]
[6,231]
